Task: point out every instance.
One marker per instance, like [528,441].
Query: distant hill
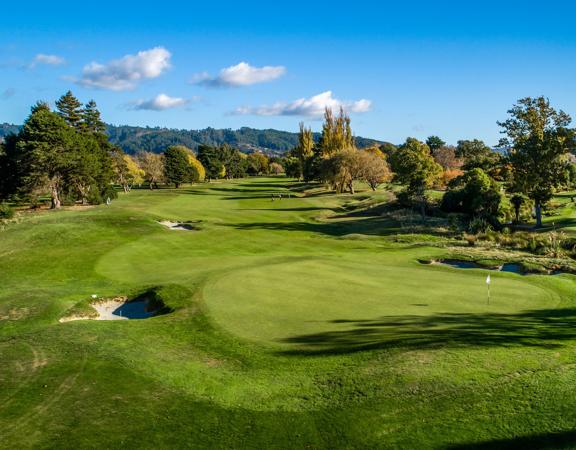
[133,139]
[6,129]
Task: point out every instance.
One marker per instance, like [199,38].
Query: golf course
[292,317]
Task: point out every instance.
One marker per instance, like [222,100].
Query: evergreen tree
[10,169]
[91,120]
[70,109]
[210,159]
[46,144]
[434,143]
[176,166]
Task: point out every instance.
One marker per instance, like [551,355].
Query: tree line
[535,161]
[67,155]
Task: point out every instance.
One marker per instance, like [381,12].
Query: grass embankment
[305,322]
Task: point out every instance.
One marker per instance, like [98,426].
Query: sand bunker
[119,308]
[122,310]
[177,226]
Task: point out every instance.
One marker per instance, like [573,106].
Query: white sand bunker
[119,308]
[177,226]
[122,310]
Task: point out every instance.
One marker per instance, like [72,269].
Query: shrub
[478,225]
[6,212]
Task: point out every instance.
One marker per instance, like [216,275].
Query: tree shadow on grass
[374,226]
[258,185]
[546,328]
[561,439]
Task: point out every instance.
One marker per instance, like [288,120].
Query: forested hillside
[133,139]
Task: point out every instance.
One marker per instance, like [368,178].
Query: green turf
[297,323]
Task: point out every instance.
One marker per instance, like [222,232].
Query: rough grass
[298,323]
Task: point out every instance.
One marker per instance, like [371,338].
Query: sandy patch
[115,309]
[177,226]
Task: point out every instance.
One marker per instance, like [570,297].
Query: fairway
[292,321]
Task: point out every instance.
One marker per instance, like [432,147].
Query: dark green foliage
[414,166]
[134,139]
[223,161]
[434,143]
[176,166]
[155,139]
[538,138]
[234,162]
[9,167]
[212,162]
[475,194]
[46,144]
[517,200]
[6,212]
[70,109]
[51,156]
[91,120]
[258,164]
[293,167]
[476,154]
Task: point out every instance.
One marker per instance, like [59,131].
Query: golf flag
[488,279]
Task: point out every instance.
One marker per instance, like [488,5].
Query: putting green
[272,302]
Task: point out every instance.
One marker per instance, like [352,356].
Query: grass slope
[291,329]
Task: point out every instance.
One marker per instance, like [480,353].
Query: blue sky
[400,68]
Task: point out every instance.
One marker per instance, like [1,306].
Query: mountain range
[155,139]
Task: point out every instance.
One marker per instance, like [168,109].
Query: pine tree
[70,109]
[91,120]
[176,166]
[47,147]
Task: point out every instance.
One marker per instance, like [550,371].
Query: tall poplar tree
[305,148]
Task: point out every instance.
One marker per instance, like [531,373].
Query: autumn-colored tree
[446,157]
[376,151]
[126,169]
[375,170]
[258,163]
[450,174]
[153,166]
[336,133]
[276,168]
[305,148]
[197,171]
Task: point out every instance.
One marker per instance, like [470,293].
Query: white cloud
[50,60]
[159,103]
[242,74]
[125,73]
[310,107]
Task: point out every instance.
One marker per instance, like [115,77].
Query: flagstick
[488,293]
